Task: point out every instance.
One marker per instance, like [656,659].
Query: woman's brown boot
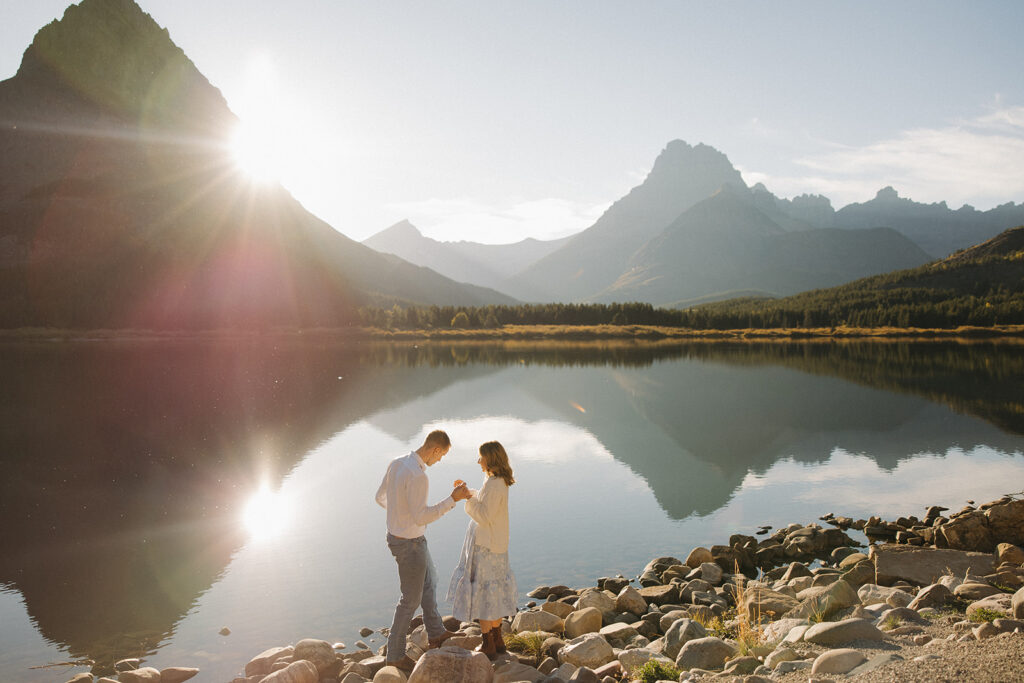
[487,645]
[499,640]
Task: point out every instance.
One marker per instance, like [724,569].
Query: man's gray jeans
[417,579]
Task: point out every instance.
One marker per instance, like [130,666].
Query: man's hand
[461,492]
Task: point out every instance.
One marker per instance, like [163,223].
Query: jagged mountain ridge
[728,243]
[120,205]
[486,265]
[639,254]
[593,259]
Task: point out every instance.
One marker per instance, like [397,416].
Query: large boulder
[301,671]
[515,672]
[586,620]
[263,663]
[559,609]
[698,556]
[660,595]
[681,632]
[447,664]
[935,595]
[704,653]
[1003,603]
[842,632]
[148,674]
[973,590]
[924,566]
[320,652]
[1008,552]
[968,532]
[618,634]
[637,657]
[1017,604]
[593,597]
[537,620]
[777,630]
[760,601]
[630,600]
[829,600]
[1006,521]
[590,650]
[177,674]
[837,661]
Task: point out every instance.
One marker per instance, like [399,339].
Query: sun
[257,150]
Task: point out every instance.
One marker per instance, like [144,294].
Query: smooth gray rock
[630,600]
[146,674]
[319,652]
[589,650]
[177,674]
[584,620]
[935,595]
[838,661]
[704,653]
[447,664]
[841,632]
[1017,604]
[514,672]
[904,614]
[537,620]
[1002,602]
[681,632]
[974,591]
[301,671]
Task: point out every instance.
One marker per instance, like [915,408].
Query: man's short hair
[438,438]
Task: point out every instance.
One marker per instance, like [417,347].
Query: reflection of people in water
[483,586]
[403,493]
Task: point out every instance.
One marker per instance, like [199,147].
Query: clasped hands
[461,491]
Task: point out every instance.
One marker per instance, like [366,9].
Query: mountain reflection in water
[128,465]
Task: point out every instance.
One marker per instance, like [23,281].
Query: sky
[494,121]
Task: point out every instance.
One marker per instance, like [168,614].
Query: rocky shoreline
[937,598]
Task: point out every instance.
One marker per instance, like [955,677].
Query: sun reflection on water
[266,514]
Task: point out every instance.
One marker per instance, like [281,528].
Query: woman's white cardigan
[489,509]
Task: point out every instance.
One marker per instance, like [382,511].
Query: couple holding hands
[482,587]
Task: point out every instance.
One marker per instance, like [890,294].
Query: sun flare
[266,514]
[257,151]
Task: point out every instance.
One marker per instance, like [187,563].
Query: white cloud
[978,161]
[499,222]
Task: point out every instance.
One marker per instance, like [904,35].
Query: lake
[155,492]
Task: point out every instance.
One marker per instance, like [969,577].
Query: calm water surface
[154,493]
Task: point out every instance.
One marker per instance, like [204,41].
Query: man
[403,493]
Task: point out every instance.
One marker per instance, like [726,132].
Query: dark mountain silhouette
[593,259]
[486,265]
[730,242]
[120,205]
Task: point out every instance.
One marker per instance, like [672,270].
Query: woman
[483,586]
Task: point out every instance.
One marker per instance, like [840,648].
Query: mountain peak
[402,229]
[112,54]
[887,194]
[699,169]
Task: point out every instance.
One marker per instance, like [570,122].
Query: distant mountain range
[981,285]
[120,205]
[486,265]
[694,232]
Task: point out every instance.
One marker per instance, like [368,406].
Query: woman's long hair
[496,461]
